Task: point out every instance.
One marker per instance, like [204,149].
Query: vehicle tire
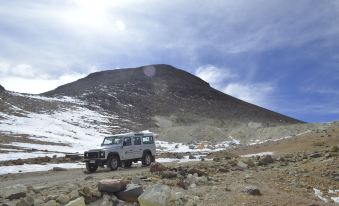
[127,164]
[113,162]
[147,159]
[91,167]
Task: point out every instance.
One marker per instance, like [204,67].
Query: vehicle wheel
[113,162]
[147,159]
[127,164]
[91,167]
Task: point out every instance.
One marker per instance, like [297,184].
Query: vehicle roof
[134,134]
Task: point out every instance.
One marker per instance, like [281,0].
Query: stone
[168,174]
[216,159]
[157,167]
[136,180]
[252,190]
[131,193]
[88,177]
[334,148]
[242,165]
[51,203]
[73,194]
[156,195]
[58,169]
[13,192]
[27,201]
[191,157]
[77,202]
[111,185]
[315,155]
[192,146]
[63,199]
[199,172]
[223,170]
[265,160]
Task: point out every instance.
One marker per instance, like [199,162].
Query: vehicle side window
[147,140]
[137,141]
[127,141]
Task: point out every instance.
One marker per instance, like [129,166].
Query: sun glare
[92,14]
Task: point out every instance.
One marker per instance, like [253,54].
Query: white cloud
[36,85]
[257,93]
[229,82]
[214,75]
[120,25]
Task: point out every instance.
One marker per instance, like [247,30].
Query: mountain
[171,102]
[2,88]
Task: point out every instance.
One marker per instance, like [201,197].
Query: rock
[88,177]
[192,146]
[191,157]
[136,180]
[156,195]
[77,202]
[73,194]
[111,185]
[334,148]
[58,169]
[223,170]
[168,174]
[265,160]
[252,190]
[216,159]
[242,165]
[131,193]
[199,172]
[13,192]
[315,155]
[27,201]
[63,199]
[157,167]
[51,203]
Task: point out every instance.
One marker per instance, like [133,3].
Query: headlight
[102,154]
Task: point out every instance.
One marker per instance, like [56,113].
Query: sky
[281,55]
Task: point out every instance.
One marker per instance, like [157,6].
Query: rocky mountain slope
[171,102]
[174,104]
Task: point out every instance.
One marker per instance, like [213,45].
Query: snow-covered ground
[332,194]
[26,155]
[76,126]
[36,167]
[163,146]
[258,154]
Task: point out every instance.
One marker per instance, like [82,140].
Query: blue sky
[282,55]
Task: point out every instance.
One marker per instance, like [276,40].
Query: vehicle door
[148,143]
[137,148]
[127,148]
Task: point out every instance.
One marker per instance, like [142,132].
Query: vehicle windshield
[112,140]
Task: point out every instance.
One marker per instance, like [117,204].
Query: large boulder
[156,195]
[265,160]
[131,193]
[111,185]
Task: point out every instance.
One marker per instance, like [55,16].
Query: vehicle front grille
[93,155]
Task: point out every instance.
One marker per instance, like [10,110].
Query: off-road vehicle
[122,150]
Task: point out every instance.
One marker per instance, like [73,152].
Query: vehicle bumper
[95,161]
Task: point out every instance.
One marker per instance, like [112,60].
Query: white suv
[122,150]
